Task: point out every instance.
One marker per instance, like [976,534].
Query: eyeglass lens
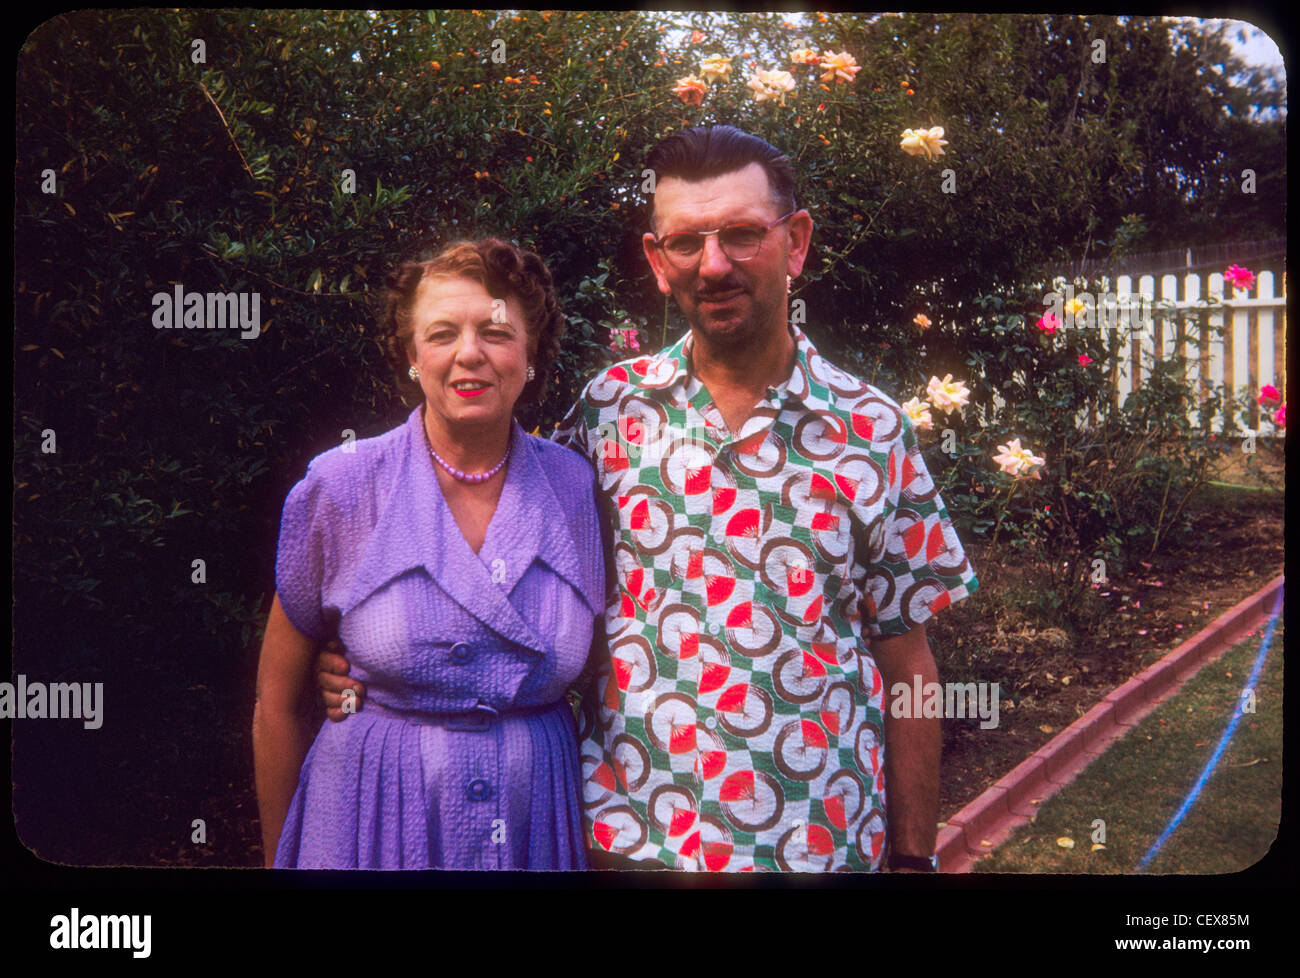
[739,242]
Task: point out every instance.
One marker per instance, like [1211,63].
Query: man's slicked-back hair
[710,151]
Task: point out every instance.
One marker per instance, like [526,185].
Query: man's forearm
[912,747]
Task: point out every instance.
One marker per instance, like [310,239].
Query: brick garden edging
[1013,801]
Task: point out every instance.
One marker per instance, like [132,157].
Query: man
[770,514]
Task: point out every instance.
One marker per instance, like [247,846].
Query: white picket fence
[1250,353]
[1154,317]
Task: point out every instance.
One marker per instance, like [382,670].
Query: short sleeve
[302,560]
[920,567]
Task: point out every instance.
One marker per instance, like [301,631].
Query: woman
[458,559]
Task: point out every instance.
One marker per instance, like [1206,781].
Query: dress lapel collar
[531,523]
[416,528]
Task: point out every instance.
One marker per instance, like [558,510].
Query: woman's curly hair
[505,272]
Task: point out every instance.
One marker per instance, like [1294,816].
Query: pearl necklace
[471,477]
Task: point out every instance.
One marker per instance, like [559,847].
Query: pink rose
[624,339]
[1242,278]
[691,89]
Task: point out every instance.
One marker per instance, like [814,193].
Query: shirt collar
[669,371]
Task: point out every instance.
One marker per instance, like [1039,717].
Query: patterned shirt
[736,723]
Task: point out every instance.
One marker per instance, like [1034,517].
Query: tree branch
[224,125]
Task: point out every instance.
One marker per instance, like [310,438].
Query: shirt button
[478,790]
[461,653]
[713,628]
[710,722]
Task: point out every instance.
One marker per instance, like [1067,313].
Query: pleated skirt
[377,792]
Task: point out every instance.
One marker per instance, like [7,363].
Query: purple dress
[464,754]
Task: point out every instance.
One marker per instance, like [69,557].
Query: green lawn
[1140,783]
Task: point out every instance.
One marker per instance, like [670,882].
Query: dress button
[461,653]
[713,628]
[710,722]
[478,790]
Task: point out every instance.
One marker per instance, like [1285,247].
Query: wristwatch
[922,864]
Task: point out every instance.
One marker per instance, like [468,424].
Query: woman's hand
[340,694]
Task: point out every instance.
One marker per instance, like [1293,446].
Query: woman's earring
[414,372]
[531,372]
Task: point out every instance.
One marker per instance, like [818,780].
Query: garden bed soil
[1051,674]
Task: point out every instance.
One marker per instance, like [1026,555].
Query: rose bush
[301,153]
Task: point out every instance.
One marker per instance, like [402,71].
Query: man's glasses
[739,242]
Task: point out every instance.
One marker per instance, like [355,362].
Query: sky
[1257,48]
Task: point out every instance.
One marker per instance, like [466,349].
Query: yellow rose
[771,85]
[1017,461]
[924,142]
[839,67]
[715,68]
[947,394]
[919,413]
